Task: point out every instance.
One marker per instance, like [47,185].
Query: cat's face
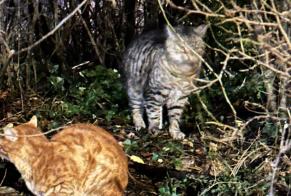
[182,44]
[15,140]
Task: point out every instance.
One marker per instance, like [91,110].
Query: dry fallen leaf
[160,160]
[136,159]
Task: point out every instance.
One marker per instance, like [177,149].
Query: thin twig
[2,1]
[53,30]
[97,51]
[285,145]
[39,134]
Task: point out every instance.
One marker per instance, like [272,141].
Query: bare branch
[53,30]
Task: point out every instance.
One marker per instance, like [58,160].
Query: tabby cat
[159,68]
[82,159]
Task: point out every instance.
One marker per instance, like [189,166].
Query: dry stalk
[96,49]
[285,146]
[53,30]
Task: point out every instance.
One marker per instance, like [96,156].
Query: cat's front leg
[175,110]
[175,131]
[154,114]
[135,96]
[138,119]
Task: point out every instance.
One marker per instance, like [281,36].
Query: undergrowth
[93,93]
[213,160]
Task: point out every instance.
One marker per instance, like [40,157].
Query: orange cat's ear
[10,132]
[33,121]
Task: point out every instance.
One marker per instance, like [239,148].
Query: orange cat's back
[81,159]
[100,158]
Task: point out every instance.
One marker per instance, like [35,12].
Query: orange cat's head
[16,141]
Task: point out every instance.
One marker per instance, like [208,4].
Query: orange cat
[82,159]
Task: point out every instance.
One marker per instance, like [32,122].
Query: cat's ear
[10,132]
[201,30]
[33,121]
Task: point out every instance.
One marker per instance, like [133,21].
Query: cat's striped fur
[82,159]
[159,68]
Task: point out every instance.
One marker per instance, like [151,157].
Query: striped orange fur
[81,159]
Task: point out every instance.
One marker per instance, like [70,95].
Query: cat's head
[17,141]
[187,35]
[183,45]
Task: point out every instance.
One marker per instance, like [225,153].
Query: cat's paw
[138,121]
[139,125]
[177,135]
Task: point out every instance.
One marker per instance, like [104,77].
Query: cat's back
[100,158]
[142,54]
[92,139]
[152,38]
[147,44]
[81,132]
